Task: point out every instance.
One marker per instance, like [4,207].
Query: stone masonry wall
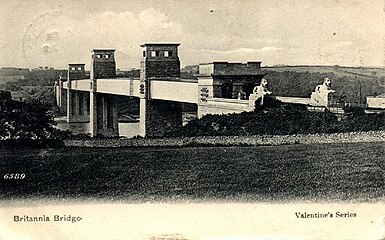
[162,117]
[352,137]
[166,68]
[104,69]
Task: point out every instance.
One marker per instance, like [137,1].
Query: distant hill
[189,72]
[11,71]
[339,71]
[11,74]
[26,77]
[133,73]
[43,76]
[30,84]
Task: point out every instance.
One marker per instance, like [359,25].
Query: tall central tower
[160,61]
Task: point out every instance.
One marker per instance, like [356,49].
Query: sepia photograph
[192,120]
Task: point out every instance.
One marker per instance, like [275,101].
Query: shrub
[277,118]
[21,120]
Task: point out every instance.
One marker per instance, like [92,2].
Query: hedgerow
[277,118]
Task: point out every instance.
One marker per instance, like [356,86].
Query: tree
[21,120]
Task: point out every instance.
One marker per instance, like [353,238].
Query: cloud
[270,49]
[242,50]
[226,52]
[152,17]
[276,32]
[344,43]
[265,54]
[65,40]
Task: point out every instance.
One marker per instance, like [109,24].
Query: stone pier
[103,115]
[158,117]
[103,108]
[77,107]
[61,96]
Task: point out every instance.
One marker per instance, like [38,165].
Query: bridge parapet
[376,102]
[119,86]
[299,100]
[223,106]
[179,91]
[79,85]
[114,86]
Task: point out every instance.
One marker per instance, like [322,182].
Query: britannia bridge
[220,88]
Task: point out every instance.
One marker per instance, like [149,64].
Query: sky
[294,32]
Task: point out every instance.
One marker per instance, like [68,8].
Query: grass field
[324,172]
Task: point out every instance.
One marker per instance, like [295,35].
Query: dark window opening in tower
[144,53]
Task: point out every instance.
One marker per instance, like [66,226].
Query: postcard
[198,120]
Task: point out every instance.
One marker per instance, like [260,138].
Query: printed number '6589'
[14,176]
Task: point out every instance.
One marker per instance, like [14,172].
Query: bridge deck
[299,100]
[181,90]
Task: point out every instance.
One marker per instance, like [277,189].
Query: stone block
[321,99]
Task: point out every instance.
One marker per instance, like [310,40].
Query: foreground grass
[314,172]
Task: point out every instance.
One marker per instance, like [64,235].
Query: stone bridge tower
[160,62]
[103,107]
[103,64]
[77,101]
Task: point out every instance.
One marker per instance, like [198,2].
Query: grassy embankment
[315,172]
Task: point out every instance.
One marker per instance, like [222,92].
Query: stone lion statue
[261,90]
[325,87]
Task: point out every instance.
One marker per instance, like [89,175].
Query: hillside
[339,71]
[352,84]
[31,84]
